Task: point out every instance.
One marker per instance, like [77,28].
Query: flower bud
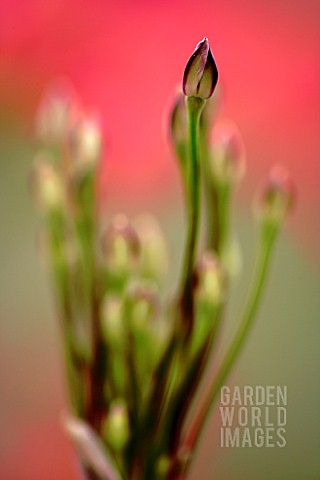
[84,141]
[154,252]
[212,280]
[90,448]
[142,305]
[46,186]
[210,110]
[163,466]
[277,197]
[178,120]
[56,112]
[121,246]
[116,428]
[228,158]
[201,74]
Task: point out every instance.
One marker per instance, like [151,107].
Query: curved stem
[269,233]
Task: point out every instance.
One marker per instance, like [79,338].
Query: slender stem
[210,194]
[269,233]
[194,108]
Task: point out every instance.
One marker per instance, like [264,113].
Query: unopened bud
[212,280]
[201,74]
[85,141]
[120,245]
[228,158]
[277,197]
[178,121]
[154,252]
[56,112]
[163,466]
[143,304]
[210,110]
[46,186]
[90,448]
[116,428]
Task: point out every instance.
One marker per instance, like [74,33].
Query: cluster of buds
[135,355]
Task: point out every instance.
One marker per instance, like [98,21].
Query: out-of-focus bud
[56,112]
[154,252]
[84,141]
[210,111]
[90,448]
[112,324]
[231,257]
[142,305]
[201,74]
[212,280]
[116,428]
[45,184]
[163,466]
[228,157]
[210,293]
[278,196]
[178,124]
[121,246]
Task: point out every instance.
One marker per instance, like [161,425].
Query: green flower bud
[142,305]
[163,465]
[116,428]
[84,142]
[121,246]
[277,197]
[178,121]
[210,293]
[154,261]
[57,110]
[228,158]
[201,74]
[211,280]
[210,111]
[45,184]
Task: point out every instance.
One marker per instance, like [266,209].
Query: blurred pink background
[125,59]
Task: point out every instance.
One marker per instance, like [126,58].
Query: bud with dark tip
[201,74]
[277,197]
[228,158]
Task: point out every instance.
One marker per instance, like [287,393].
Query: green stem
[269,233]
[56,229]
[194,108]
[210,194]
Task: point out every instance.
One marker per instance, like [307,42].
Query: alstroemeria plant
[135,360]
